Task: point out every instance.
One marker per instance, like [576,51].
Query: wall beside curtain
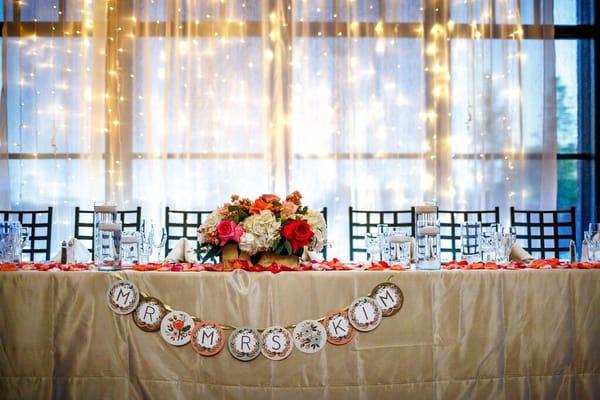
[373,104]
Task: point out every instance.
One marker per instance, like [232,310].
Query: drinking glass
[593,239]
[428,245]
[400,242]
[384,236]
[5,241]
[130,247]
[504,243]
[373,246]
[489,242]
[470,241]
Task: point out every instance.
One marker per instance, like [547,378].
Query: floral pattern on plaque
[176,328]
[309,336]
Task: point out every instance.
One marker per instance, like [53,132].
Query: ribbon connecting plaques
[208,338]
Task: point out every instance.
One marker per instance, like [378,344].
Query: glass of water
[505,239]
[400,243]
[489,236]
[373,245]
[593,239]
[470,241]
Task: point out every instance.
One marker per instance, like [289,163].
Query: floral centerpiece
[266,226]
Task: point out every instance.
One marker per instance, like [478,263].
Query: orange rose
[260,205]
[177,324]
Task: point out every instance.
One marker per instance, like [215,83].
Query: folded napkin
[308,255]
[517,253]
[183,251]
[76,252]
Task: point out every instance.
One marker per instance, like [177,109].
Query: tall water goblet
[373,246]
[470,241]
[592,237]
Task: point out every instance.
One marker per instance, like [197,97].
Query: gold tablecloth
[475,334]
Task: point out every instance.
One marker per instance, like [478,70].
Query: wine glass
[161,243]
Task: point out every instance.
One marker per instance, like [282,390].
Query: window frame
[587,102]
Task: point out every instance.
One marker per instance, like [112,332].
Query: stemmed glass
[592,236]
[373,245]
[148,241]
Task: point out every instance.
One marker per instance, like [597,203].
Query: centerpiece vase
[231,253]
[267,258]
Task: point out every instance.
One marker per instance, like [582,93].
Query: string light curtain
[370,103]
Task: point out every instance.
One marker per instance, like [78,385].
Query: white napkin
[517,253]
[182,252]
[308,255]
[76,252]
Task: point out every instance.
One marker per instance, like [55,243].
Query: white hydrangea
[207,231]
[319,227]
[261,231]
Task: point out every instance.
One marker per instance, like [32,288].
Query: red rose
[298,233]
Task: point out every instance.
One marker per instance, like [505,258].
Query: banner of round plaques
[122,296]
[276,343]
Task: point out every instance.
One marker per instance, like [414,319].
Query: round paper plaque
[338,328]
[208,338]
[176,328]
[364,314]
[389,298]
[149,314]
[244,344]
[309,336]
[123,297]
[277,343]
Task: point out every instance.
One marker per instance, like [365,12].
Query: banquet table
[460,334]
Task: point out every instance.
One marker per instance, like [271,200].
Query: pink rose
[228,230]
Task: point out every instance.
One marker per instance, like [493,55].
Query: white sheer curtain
[367,103]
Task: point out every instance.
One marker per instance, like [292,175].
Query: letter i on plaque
[364,314]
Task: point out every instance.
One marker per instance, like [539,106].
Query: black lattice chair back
[39,226]
[182,224]
[450,222]
[362,222]
[84,224]
[324,251]
[544,234]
